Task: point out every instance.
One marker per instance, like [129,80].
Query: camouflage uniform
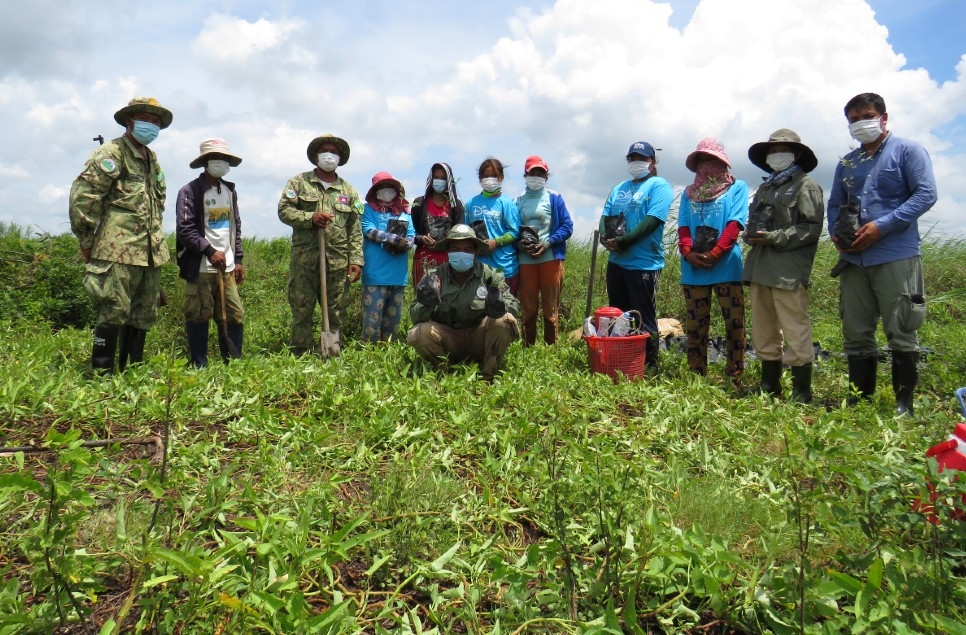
[304,195]
[116,206]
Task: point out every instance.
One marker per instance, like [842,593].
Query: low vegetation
[366,494]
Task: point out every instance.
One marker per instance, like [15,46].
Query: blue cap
[642,148]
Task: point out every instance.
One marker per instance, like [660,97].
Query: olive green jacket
[463,306]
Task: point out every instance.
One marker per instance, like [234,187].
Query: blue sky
[410,82]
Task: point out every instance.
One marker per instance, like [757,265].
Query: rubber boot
[862,370]
[132,346]
[652,348]
[197,343]
[905,378]
[802,384]
[124,346]
[771,377]
[235,335]
[104,348]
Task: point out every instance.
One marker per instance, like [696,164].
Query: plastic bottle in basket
[622,325]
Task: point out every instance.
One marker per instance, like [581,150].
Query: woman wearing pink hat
[388,234]
[713,211]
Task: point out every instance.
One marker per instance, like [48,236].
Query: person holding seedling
[879,192]
[325,214]
[545,228]
[784,224]
[714,209]
[463,309]
[434,214]
[632,231]
[388,236]
[116,209]
[496,220]
[209,253]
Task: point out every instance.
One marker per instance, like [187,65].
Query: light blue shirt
[383,268]
[732,205]
[502,216]
[652,197]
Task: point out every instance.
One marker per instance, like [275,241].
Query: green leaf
[443,560]
[161,579]
[109,627]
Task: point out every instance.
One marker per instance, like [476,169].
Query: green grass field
[364,495]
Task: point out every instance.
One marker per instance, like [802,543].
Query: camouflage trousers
[305,291]
[202,301]
[123,295]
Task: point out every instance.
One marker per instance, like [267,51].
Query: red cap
[535,162]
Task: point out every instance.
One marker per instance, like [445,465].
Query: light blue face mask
[439,185]
[461,261]
[145,131]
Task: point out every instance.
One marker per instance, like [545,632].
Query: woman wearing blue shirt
[388,234]
[500,218]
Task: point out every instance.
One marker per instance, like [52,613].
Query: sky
[411,82]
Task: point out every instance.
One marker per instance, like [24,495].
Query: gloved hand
[494,306]
[428,291]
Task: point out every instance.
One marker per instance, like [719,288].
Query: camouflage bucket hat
[312,151]
[784,136]
[463,232]
[149,105]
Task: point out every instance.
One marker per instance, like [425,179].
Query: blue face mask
[461,261]
[145,131]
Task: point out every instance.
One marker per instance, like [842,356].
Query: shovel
[225,341]
[329,341]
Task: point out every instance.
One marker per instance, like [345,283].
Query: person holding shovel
[209,253]
[464,309]
[116,208]
[389,234]
[325,214]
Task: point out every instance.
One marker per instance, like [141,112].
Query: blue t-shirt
[383,268]
[501,216]
[652,197]
[732,205]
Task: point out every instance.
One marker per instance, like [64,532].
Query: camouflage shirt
[304,195]
[116,205]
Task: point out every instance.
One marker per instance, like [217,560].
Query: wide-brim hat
[785,136]
[149,105]
[463,232]
[215,146]
[709,146]
[384,179]
[312,151]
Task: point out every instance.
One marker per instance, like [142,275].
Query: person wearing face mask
[208,247]
[783,229]
[879,191]
[541,252]
[388,235]
[496,219]
[321,201]
[116,209]
[463,310]
[714,209]
[632,231]
[434,214]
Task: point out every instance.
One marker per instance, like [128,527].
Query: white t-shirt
[219,227]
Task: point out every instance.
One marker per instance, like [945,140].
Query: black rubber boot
[905,378]
[197,343]
[235,335]
[124,346]
[802,384]
[862,370]
[104,348]
[771,377]
[132,346]
[652,349]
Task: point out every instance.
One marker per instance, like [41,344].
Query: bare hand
[867,236]
[85,255]
[539,249]
[322,219]
[428,241]
[354,272]
[239,273]
[218,261]
[610,244]
[701,261]
[491,243]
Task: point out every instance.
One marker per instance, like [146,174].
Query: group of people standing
[478,266]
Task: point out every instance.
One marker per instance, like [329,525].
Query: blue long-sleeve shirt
[893,188]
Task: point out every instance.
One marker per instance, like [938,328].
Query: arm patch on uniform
[290,194]
[108,165]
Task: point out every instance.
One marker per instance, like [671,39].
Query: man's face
[861,113]
[144,116]
[330,147]
[465,245]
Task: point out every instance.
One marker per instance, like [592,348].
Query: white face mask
[386,194]
[490,184]
[778,161]
[217,168]
[439,185]
[639,169]
[535,183]
[328,161]
[866,130]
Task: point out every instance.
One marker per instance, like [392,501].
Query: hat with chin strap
[758,153]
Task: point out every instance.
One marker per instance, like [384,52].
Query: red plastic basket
[613,355]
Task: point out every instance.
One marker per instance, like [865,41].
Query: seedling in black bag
[846,225]
[397,227]
[705,238]
[614,226]
[429,292]
[529,239]
[760,220]
[479,227]
[495,306]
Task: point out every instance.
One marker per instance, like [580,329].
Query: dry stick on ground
[93,443]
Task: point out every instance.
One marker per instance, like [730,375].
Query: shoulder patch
[358,206]
[108,165]
[290,194]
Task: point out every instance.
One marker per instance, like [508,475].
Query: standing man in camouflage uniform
[116,206]
[314,201]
